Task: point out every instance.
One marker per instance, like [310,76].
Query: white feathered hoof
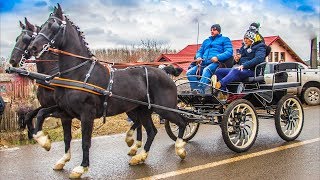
[58,167]
[134,148]
[132,152]
[179,148]
[129,139]
[61,163]
[43,140]
[181,152]
[139,158]
[77,172]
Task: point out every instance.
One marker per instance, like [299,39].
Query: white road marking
[231,160]
[10,149]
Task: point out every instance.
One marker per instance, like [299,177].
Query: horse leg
[66,124]
[86,130]
[39,136]
[179,145]
[129,135]
[28,120]
[133,149]
[145,118]
[181,123]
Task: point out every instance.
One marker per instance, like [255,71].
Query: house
[279,51]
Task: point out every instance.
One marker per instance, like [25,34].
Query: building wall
[276,50]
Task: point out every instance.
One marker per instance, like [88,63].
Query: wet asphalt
[109,159]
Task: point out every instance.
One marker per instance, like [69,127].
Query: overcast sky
[120,23]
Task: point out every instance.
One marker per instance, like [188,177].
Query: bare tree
[147,51]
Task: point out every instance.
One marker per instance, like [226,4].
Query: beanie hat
[217,27]
[254,27]
[250,35]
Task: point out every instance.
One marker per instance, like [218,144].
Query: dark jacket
[250,59]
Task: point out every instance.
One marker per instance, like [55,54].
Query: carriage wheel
[239,125]
[173,130]
[289,117]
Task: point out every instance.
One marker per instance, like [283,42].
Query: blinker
[26,39]
[55,27]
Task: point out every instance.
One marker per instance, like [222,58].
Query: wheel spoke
[247,130]
[238,109]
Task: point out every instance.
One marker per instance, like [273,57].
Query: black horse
[47,65]
[145,84]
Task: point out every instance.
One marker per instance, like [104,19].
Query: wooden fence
[17,92]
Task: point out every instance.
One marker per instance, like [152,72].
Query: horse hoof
[132,152]
[47,145]
[75,175]
[134,162]
[139,158]
[77,172]
[58,167]
[129,141]
[182,153]
[43,140]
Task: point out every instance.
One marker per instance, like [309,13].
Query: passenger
[215,49]
[250,54]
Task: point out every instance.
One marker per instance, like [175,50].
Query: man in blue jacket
[214,50]
[251,54]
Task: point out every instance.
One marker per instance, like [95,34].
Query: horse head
[51,33]
[20,53]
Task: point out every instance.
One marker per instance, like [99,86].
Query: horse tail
[172,70]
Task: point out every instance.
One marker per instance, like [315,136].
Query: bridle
[56,29]
[26,38]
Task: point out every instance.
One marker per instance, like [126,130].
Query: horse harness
[53,80]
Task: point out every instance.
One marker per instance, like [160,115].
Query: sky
[123,23]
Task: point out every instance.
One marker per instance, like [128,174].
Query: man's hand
[240,67]
[214,59]
[237,57]
[198,60]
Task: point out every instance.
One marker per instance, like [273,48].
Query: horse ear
[59,12]
[29,26]
[54,9]
[22,25]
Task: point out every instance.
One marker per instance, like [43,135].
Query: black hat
[217,27]
[254,27]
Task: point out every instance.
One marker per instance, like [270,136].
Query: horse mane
[81,35]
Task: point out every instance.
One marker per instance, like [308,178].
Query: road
[208,157]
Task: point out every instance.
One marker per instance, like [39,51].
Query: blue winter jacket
[250,58]
[219,46]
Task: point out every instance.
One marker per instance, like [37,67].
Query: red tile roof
[188,53]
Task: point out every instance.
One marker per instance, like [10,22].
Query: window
[276,56]
[270,57]
[283,56]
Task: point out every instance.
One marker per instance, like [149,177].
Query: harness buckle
[22,60]
[45,48]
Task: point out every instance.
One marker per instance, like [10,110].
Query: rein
[116,64]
